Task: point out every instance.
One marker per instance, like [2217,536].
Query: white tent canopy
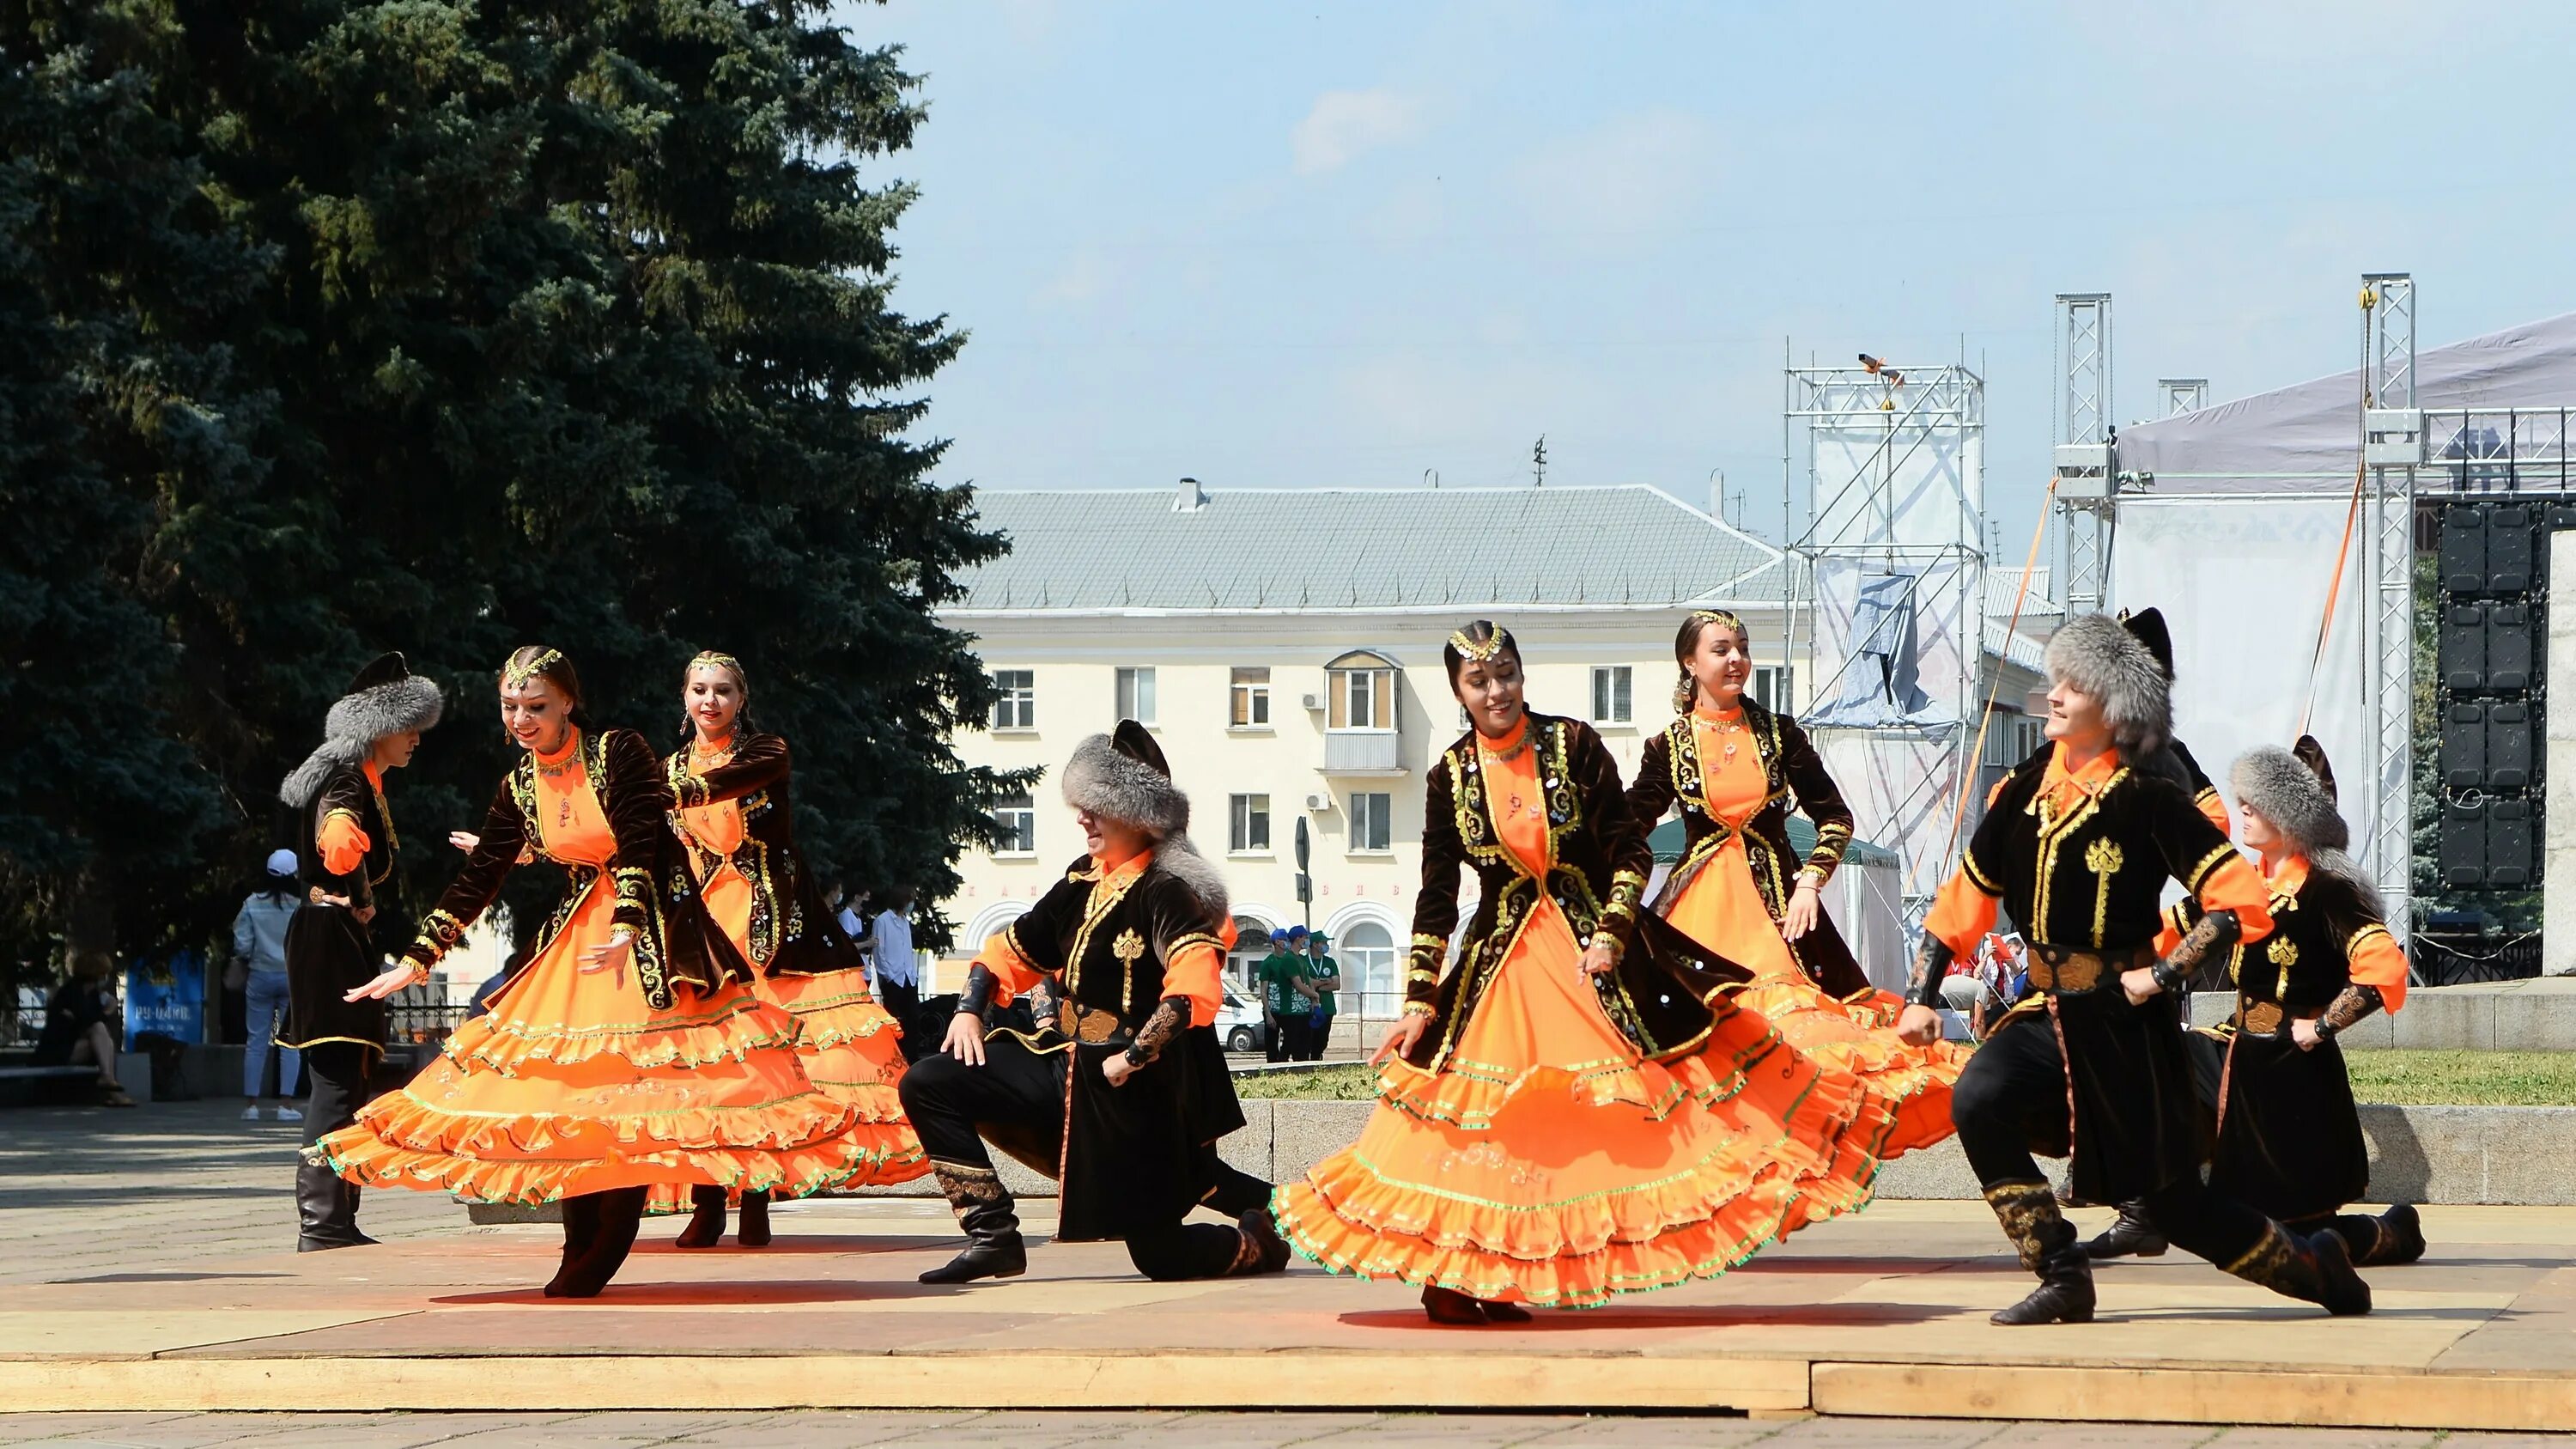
[2236,541]
[2306,437]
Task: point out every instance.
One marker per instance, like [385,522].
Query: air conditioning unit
[1319,802]
[1311,701]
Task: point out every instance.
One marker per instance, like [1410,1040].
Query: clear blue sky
[1339,244]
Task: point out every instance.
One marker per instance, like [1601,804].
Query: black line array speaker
[2490,623]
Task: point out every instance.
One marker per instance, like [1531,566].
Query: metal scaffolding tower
[2392,447]
[1895,479]
[2086,487]
[2182,395]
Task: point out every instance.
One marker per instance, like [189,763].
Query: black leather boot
[706,1218]
[754,1230]
[326,1209]
[2316,1269]
[581,1229]
[994,1248]
[2132,1235]
[1263,1250]
[621,1213]
[2046,1242]
[2397,1238]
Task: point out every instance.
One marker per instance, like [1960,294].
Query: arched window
[1251,943]
[1360,693]
[1367,956]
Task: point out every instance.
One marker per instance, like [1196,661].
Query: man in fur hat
[2289,1136]
[345,852]
[1122,1092]
[2078,844]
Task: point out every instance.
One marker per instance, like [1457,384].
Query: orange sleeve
[343,845]
[2214,810]
[2234,885]
[1961,915]
[1197,971]
[2374,958]
[1012,972]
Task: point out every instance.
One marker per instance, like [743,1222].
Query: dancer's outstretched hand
[1400,1037]
[464,840]
[1918,1025]
[1805,904]
[965,1039]
[385,985]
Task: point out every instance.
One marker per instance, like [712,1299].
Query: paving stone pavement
[1060,1430]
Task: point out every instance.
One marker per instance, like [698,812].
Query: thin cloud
[1345,125]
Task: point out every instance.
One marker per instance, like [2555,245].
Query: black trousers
[341,1076]
[900,1001]
[1017,1098]
[2014,1091]
[1276,1047]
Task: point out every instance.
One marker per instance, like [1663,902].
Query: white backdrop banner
[2242,583]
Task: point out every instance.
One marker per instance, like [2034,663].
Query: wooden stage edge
[1766,1387]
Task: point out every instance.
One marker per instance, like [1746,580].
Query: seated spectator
[78,1026]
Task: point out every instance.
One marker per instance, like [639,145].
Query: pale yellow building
[1285,648]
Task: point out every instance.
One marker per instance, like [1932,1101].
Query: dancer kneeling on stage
[2078,844]
[2289,1136]
[1122,1088]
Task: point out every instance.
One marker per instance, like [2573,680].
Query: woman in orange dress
[1736,769]
[627,1052]
[738,833]
[1575,1111]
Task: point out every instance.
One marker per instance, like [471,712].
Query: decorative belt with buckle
[2067,971]
[2262,1018]
[1093,1025]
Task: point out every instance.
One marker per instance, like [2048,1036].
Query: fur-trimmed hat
[2097,655]
[2147,626]
[1122,777]
[2286,790]
[386,698]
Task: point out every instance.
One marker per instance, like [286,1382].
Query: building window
[1366,954]
[1015,705]
[1371,812]
[1613,692]
[1361,696]
[1136,695]
[1251,709]
[1249,831]
[1017,815]
[2010,738]
[1770,687]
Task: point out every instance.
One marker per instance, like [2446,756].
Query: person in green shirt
[1281,1001]
[1324,979]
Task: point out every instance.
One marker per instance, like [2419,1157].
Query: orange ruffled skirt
[1721,909]
[1546,1162]
[570,1084]
[847,1044]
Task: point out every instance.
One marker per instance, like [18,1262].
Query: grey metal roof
[1326,548]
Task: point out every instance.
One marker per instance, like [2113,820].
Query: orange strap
[1968,776]
[2334,592]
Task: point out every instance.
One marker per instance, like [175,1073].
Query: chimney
[1192,497]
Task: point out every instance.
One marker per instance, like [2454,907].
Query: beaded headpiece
[1467,648]
[516,675]
[1720,616]
[721,660]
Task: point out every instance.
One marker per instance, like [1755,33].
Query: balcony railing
[1363,752]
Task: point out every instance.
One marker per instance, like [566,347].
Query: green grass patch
[1352,1083]
[2462,1078]
[2411,1078]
